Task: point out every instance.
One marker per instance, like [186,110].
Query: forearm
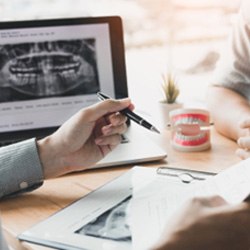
[227,109]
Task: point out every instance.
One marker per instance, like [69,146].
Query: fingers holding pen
[111,130]
[116,119]
[114,126]
[111,135]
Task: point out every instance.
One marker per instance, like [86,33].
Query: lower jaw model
[190,129]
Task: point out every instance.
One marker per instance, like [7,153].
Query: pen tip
[155,130]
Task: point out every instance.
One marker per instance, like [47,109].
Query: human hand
[208,223]
[84,139]
[244,141]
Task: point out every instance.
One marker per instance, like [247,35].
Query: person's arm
[78,144]
[84,139]
[228,109]
[208,223]
[229,95]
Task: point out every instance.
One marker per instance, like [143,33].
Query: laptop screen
[51,69]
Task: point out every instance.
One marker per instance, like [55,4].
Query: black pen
[247,199]
[131,115]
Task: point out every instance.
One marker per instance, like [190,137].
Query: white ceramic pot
[164,109]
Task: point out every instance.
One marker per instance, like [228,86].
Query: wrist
[50,158]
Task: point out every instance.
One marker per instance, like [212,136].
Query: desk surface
[20,213]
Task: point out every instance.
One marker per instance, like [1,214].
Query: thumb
[108,106]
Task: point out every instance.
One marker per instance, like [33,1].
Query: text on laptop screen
[49,73]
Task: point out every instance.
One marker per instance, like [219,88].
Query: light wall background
[183,36]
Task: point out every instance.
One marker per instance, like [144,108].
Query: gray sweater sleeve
[20,168]
[233,68]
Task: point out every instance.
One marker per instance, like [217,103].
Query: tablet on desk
[97,221]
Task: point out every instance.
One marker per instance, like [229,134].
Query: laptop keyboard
[6,143]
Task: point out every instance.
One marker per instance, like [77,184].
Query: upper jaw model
[190,129]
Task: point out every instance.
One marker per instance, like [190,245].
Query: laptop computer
[50,69]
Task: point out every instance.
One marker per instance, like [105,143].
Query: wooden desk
[20,213]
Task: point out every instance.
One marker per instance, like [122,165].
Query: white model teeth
[182,137]
[189,120]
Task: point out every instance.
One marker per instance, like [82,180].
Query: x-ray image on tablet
[100,220]
[48,68]
[112,224]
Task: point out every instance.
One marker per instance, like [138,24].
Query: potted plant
[171,92]
[170,89]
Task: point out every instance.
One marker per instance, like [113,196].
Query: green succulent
[170,88]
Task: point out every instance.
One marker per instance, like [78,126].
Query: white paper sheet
[156,198]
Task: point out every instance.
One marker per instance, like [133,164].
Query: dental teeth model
[190,129]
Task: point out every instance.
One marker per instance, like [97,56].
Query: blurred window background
[160,35]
